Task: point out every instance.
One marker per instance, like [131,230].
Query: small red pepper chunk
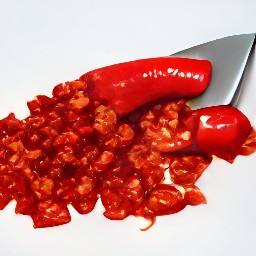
[221,131]
[127,86]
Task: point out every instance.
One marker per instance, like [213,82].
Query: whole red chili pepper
[127,86]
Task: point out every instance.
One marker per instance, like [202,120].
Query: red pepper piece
[165,199]
[193,196]
[187,169]
[50,213]
[221,131]
[127,86]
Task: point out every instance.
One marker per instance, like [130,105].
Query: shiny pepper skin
[221,130]
[127,86]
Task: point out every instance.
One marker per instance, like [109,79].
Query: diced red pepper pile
[73,150]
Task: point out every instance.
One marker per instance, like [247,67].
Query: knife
[229,56]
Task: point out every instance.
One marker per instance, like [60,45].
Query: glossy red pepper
[221,130]
[127,86]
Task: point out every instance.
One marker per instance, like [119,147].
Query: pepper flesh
[127,86]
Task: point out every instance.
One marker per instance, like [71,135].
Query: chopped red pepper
[74,148]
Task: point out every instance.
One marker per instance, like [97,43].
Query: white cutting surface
[46,42]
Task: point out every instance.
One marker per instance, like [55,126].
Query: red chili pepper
[129,85]
[221,130]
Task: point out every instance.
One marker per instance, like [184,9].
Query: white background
[46,42]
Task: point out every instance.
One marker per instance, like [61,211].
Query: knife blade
[228,56]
